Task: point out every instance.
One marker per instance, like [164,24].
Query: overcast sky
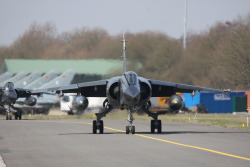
[116,16]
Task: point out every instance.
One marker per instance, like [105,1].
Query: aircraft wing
[164,89]
[88,89]
[24,92]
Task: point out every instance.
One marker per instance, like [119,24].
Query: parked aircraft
[28,79]
[43,80]
[129,92]
[15,78]
[5,76]
[49,100]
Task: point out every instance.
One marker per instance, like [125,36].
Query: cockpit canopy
[130,78]
[9,86]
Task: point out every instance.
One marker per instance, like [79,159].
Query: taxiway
[59,143]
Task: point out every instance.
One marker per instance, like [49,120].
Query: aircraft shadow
[105,133]
[188,132]
[163,133]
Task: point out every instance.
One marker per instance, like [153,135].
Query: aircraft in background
[47,101]
[129,92]
[8,97]
[5,76]
[43,80]
[28,79]
[16,78]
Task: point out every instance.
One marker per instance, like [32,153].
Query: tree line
[218,57]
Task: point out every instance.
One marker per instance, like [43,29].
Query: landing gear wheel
[127,129]
[133,129]
[20,117]
[159,126]
[152,126]
[10,117]
[16,116]
[94,127]
[101,127]
[7,117]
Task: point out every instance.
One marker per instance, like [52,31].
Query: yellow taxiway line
[162,140]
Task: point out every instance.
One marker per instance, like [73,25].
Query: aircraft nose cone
[133,93]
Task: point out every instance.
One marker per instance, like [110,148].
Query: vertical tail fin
[124,54]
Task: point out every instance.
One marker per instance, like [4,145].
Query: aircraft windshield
[9,86]
[131,78]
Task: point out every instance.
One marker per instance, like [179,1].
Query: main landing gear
[11,110]
[8,112]
[98,123]
[155,123]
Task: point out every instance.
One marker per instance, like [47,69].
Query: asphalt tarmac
[64,143]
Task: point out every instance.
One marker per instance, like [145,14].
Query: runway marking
[158,139]
[2,164]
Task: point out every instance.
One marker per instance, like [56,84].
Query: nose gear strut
[130,128]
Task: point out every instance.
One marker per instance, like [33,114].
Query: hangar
[85,70]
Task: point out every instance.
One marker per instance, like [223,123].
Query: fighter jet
[8,97]
[16,78]
[128,92]
[28,79]
[43,80]
[5,76]
[37,82]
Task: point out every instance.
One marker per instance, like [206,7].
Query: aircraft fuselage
[128,91]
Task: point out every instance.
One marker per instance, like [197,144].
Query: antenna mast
[124,54]
[185,26]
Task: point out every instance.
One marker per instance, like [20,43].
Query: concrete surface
[59,143]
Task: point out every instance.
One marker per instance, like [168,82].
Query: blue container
[191,101]
[219,102]
[214,102]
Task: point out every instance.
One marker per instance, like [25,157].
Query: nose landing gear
[130,128]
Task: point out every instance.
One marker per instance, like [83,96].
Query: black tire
[133,130]
[7,117]
[19,113]
[10,117]
[101,127]
[16,116]
[159,126]
[94,127]
[20,116]
[127,129]
[152,126]
[70,113]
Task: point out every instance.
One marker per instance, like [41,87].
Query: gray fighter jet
[9,96]
[43,80]
[5,76]
[129,92]
[28,79]
[15,78]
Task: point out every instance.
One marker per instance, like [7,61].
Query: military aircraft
[8,96]
[33,81]
[28,79]
[129,92]
[15,78]
[5,76]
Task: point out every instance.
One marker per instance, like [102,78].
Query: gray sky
[116,16]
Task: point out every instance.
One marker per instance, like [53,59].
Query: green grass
[219,120]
